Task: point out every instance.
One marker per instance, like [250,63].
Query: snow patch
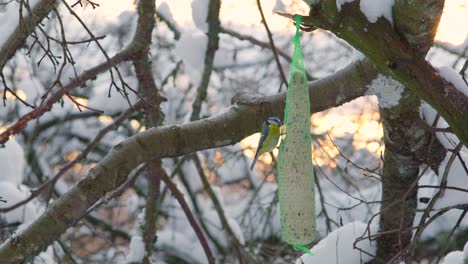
[373,9]
[457,257]
[454,257]
[165,11]
[338,246]
[137,250]
[448,140]
[456,175]
[185,244]
[12,162]
[387,90]
[357,55]
[9,15]
[465,252]
[453,77]
[12,194]
[117,101]
[200,13]
[132,203]
[339,3]
[191,48]
[233,169]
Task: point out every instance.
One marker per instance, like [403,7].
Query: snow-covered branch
[238,121]
[22,27]
[375,36]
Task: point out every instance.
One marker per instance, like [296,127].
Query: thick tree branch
[238,121]
[407,147]
[417,21]
[153,118]
[394,57]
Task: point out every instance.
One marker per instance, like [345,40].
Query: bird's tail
[253,163]
[255,159]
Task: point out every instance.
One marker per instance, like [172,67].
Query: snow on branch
[229,127]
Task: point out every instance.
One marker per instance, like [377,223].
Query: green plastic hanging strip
[295,169]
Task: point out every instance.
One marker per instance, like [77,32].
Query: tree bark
[398,51]
[408,145]
[394,57]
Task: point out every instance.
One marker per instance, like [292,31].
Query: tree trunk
[407,147]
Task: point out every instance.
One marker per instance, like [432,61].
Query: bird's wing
[265,131]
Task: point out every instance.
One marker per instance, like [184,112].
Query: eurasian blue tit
[270,136]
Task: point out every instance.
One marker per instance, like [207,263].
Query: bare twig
[122,89]
[262,44]
[212,46]
[7,89]
[169,24]
[272,44]
[443,182]
[180,198]
[21,123]
[218,207]
[457,224]
[36,192]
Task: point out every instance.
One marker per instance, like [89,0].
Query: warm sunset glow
[108,9]
[453,24]
[374,147]
[364,126]
[239,13]
[80,100]
[105,119]
[9,96]
[21,94]
[359,119]
[451,28]
[218,158]
[136,125]
[72,155]
[249,145]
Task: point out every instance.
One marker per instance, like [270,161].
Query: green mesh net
[295,169]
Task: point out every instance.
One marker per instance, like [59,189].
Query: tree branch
[272,44]
[213,40]
[153,118]
[243,118]
[180,198]
[394,57]
[262,44]
[21,123]
[17,39]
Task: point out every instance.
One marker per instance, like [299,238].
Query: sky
[451,27]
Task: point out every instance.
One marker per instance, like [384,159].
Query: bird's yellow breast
[274,131]
[271,139]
